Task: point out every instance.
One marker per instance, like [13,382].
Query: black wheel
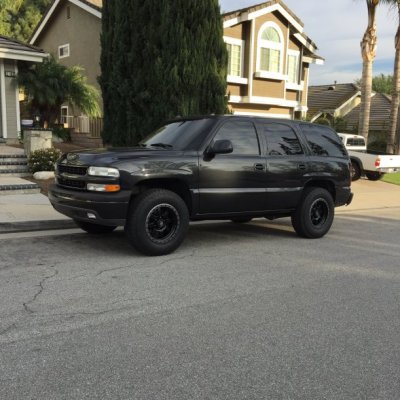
[373,176]
[240,220]
[314,216]
[158,222]
[94,228]
[355,171]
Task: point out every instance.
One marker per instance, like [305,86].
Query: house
[378,119]
[332,101]
[13,52]
[269,53]
[269,60]
[343,101]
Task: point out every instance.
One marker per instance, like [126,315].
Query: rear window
[281,140]
[355,142]
[323,141]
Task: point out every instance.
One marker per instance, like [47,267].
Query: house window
[270,49]
[68,12]
[234,59]
[293,66]
[235,49]
[63,51]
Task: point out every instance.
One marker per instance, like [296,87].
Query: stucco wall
[81,31]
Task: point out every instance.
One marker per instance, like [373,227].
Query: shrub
[43,160]
[61,132]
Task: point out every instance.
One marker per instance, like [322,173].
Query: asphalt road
[238,312]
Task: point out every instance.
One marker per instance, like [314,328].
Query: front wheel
[94,228]
[158,222]
[314,216]
[373,175]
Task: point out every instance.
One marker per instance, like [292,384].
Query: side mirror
[221,147]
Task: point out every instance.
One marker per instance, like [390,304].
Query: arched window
[270,49]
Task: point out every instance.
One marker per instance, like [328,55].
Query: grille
[68,169]
[72,184]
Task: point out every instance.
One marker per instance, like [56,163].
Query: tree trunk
[368,52]
[392,143]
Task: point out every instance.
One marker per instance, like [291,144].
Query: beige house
[269,59]
[13,52]
[269,54]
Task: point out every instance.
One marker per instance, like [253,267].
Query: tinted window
[243,136]
[281,140]
[323,141]
[180,135]
[355,142]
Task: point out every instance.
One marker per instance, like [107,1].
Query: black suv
[214,167]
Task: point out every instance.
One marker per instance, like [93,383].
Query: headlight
[103,171]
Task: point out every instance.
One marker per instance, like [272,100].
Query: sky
[337,26]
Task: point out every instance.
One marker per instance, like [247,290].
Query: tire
[373,175]
[157,222]
[314,216]
[355,171]
[94,229]
[242,220]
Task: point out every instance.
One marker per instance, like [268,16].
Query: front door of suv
[235,182]
[287,165]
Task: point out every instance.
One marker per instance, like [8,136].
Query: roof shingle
[327,98]
[13,44]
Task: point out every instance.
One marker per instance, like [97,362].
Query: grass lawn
[392,178]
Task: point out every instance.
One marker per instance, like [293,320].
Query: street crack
[27,305]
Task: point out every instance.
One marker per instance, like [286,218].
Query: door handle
[259,167]
[302,166]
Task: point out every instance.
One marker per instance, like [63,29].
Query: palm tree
[368,52]
[49,85]
[393,142]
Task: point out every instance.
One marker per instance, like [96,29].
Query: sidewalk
[30,212]
[22,210]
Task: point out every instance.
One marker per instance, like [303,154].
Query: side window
[323,141]
[281,140]
[243,136]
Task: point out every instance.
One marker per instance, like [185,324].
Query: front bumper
[98,208]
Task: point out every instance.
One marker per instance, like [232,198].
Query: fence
[83,124]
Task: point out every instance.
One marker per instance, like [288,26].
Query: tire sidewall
[137,222]
[303,223]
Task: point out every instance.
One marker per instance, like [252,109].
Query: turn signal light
[96,187]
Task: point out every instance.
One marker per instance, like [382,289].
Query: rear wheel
[94,228]
[314,216]
[158,222]
[355,171]
[373,175]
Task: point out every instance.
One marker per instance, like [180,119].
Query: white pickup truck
[372,165]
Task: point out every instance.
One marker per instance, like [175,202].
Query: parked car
[207,168]
[363,162]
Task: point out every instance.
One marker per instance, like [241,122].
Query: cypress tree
[160,59]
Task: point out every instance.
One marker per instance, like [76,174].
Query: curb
[32,226]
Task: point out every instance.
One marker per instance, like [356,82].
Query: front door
[235,182]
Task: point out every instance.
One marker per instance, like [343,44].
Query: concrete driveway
[370,195]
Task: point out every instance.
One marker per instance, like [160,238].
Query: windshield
[179,135]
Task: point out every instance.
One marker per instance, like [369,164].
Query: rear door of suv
[287,164]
